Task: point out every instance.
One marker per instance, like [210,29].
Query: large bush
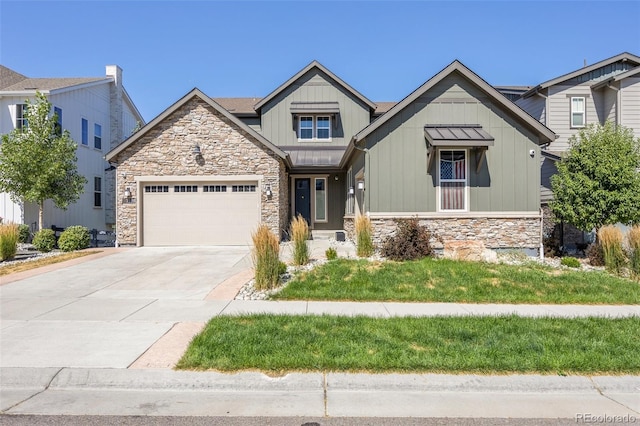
[74,238]
[44,240]
[411,241]
[8,241]
[266,258]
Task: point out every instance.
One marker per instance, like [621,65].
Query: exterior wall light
[196,151]
[268,191]
[361,185]
[127,195]
[351,190]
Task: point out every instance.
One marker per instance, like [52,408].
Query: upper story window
[578,115]
[453,180]
[85,132]
[97,136]
[57,112]
[21,116]
[312,127]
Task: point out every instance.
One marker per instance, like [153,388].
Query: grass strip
[486,345]
[443,280]
[11,268]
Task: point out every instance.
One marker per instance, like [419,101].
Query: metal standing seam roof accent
[458,134]
[316,157]
[315,107]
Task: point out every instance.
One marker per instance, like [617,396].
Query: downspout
[541,234]
[366,151]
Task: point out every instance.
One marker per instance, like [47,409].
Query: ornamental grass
[610,239]
[266,258]
[299,231]
[633,238]
[364,232]
[9,234]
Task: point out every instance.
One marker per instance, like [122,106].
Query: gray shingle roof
[49,83]
[9,77]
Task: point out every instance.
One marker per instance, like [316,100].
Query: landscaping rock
[469,250]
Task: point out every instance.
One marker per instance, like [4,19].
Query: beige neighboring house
[99,115]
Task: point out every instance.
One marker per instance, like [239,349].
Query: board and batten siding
[547,169]
[396,168]
[315,86]
[535,106]
[630,99]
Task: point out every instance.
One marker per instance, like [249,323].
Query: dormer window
[314,127]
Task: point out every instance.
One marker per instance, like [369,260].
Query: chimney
[115,109]
[585,63]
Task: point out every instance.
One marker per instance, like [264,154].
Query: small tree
[598,182]
[38,162]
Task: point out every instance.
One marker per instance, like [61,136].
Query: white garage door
[199,213]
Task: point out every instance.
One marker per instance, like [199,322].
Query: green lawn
[507,344]
[442,280]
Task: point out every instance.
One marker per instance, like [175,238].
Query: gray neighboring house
[455,153]
[608,90]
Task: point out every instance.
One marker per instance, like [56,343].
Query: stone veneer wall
[226,150]
[495,233]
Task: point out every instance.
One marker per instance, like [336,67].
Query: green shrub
[74,238]
[44,240]
[610,238]
[410,242]
[331,254]
[571,262]
[24,233]
[364,232]
[282,268]
[8,241]
[266,258]
[634,249]
[299,231]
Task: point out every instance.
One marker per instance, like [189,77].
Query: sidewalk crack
[601,392]
[324,385]
[35,394]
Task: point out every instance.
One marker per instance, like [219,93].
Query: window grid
[21,116]
[156,188]
[453,180]
[214,188]
[185,188]
[97,136]
[243,188]
[314,127]
[97,191]
[578,112]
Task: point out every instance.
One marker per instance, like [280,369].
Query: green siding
[335,203]
[397,178]
[315,86]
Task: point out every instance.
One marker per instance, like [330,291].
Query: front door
[303,198]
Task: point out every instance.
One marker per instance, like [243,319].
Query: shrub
[634,249]
[571,262]
[74,238]
[266,258]
[299,231]
[331,254]
[594,254]
[610,239]
[8,241]
[44,240]
[24,233]
[410,242]
[364,241]
[282,268]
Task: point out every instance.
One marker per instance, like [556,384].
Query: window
[314,128]
[21,116]
[97,136]
[578,112]
[156,188]
[453,180]
[97,191]
[85,132]
[321,199]
[214,188]
[185,188]
[57,112]
[243,188]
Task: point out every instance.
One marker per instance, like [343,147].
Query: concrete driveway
[106,312]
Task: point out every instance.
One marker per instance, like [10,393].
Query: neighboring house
[608,90]
[99,114]
[455,153]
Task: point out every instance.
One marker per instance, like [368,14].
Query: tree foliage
[39,162]
[598,182]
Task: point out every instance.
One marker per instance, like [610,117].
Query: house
[455,153]
[608,90]
[99,114]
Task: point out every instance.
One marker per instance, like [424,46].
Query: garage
[199,213]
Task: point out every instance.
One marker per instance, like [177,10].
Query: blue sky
[384,49]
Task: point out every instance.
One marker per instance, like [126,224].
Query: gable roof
[303,71]
[625,56]
[182,101]
[545,134]
[9,77]
[617,77]
[49,84]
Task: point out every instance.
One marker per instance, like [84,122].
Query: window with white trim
[453,180]
[312,127]
[85,132]
[578,116]
[97,136]
[21,116]
[97,191]
[321,199]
